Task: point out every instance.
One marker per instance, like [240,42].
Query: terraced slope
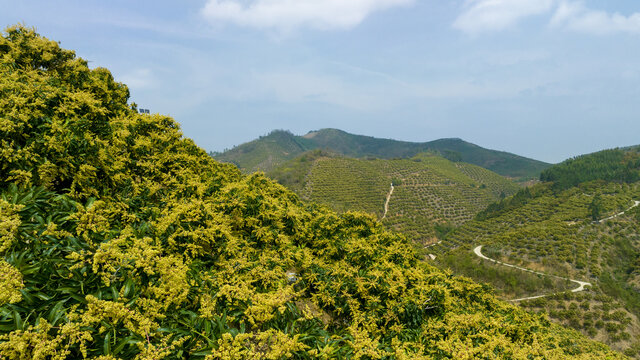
[554,233]
[428,190]
[270,151]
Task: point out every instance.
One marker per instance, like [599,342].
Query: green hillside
[610,165]
[553,231]
[430,192]
[268,152]
[121,239]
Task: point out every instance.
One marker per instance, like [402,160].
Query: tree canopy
[609,165]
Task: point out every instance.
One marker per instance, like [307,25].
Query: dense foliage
[121,239]
[269,152]
[609,165]
[519,199]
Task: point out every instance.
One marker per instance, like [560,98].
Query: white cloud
[286,15]
[577,17]
[565,11]
[491,15]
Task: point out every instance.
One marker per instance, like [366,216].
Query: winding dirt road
[620,214]
[581,284]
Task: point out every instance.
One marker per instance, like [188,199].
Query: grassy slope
[428,189]
[266,153]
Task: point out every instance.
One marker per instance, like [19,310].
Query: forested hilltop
[121,239]
[610,165]
[271,151]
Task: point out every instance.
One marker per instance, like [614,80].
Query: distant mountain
[430,193]
[267,152]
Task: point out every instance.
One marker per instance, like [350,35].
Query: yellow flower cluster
[270,345]
[9,223]
[10,284]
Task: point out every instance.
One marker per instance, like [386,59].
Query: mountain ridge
[279,146]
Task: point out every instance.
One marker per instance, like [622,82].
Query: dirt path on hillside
[386,203]
[620,214]
[434,244]
[581,284]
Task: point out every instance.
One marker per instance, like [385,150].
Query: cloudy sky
[548,79]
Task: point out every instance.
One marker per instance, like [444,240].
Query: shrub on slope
[121,239]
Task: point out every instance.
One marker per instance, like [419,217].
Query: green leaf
[107,344]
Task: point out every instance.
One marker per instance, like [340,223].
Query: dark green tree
[595,208]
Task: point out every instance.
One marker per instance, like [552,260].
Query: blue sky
[547,79]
